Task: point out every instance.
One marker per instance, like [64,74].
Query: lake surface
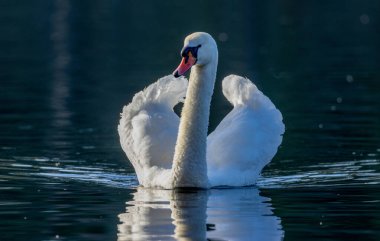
[68,67]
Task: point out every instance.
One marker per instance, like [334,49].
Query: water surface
[68,67]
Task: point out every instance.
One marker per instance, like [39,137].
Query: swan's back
[247,138]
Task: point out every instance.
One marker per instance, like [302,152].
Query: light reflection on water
[358,172]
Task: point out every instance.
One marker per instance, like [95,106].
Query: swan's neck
[189,164]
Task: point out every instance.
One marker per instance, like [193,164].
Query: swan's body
[167,152]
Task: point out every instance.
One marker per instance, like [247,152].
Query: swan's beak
[185,65]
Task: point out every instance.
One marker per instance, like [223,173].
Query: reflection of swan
[220,214]
[148,215]
[243,143]
[242,213]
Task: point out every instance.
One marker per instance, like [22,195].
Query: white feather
[148,130]
[246,139]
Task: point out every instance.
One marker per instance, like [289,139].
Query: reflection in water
[59,37]
[217,214]
[188,211]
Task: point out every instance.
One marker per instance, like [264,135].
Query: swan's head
[198,49]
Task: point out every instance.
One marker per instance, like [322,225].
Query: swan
[168,152]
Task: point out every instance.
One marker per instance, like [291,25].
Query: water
[68,67]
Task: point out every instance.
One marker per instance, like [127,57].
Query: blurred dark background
[69,66]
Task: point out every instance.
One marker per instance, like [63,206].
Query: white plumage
[246,139]
[167,154]
[148,130]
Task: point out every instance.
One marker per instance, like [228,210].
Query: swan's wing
[247,138]
[148,129]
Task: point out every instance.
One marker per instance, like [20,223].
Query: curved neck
[189,164]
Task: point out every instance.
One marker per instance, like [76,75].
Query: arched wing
[247,138]
[148,127]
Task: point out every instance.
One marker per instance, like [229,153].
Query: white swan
[167,152]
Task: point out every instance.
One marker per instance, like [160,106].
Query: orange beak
[185,65]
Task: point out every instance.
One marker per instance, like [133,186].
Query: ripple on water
[91,174]
[326,174]
[366,171]
[44,170]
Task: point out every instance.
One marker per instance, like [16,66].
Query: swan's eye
[190,50]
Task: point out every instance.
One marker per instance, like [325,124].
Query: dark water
[68,67]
